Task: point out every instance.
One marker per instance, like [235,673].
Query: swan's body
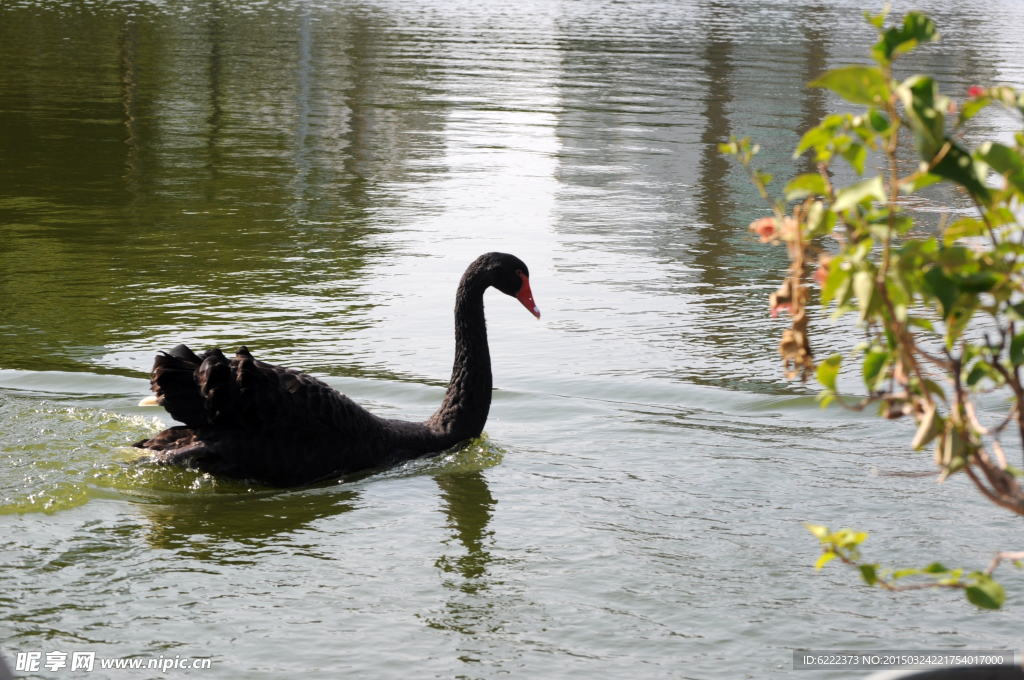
[250,420]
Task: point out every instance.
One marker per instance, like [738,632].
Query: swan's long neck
[463,412]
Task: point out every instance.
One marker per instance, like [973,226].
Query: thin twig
[1011,556]
[1000,456]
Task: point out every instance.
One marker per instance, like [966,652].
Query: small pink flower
[782,307]
[975,91]
[764,227]
[821,273]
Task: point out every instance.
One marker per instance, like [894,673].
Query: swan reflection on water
[473,606]
[235,528]
[244,528]
[469,505]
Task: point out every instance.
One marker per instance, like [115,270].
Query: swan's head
[511,276]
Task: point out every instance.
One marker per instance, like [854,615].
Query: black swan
[247,419]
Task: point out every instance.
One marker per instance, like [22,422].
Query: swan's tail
[194,388]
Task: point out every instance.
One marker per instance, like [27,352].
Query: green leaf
[856,84]
[861,191]
[807,184]
[917,28]
[848,538]
[902,573]
[934,388]
[877,20]
[864,288]
[869,572]
[879,121]
[926,113]
[820,221]
[963,228]
[874,362]
[959,166]
[821,532]
[903,224]
[943,289]
[956,464]
[855,155]
[1017,349]
[822,134]
[817,137]
[936,568]
[828,370]
[921,323]
[985,592]
[957,322]
[976,374]
[837,281]
[985,370]
[1004,160]
[971,108]
[919,182]
[980,282]
[883,222]
[823,560]
[952,579]
[763,177]
[1015,311]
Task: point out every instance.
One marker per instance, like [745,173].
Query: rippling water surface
[310,179]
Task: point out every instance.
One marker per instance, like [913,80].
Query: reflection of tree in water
[714,206]
[813,102]
[236,529]
[726,258]
[214,121]
[251,190]
[130,102]
[724,236]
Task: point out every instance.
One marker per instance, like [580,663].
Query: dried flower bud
[789,227]
[894,411]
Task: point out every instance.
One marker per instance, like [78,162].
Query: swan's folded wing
[274,400]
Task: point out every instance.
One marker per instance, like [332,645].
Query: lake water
[310,179]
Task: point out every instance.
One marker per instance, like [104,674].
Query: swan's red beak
[525,295]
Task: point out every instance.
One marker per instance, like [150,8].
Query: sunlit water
[310,179]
